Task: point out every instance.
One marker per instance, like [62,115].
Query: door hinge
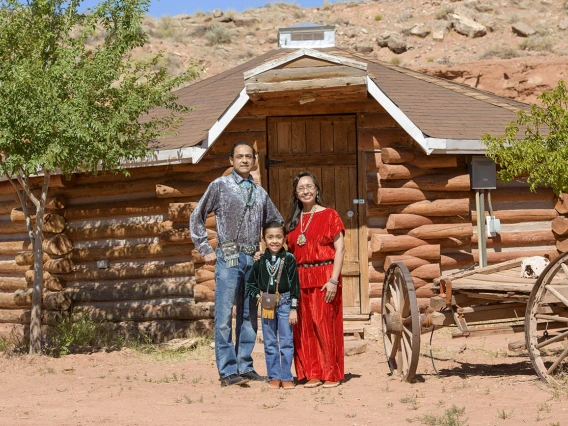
[358,201]
[272,162]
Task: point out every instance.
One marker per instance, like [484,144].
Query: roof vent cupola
[306,34]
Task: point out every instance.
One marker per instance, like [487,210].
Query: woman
[315,238]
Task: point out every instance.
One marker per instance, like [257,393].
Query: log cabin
[393,151]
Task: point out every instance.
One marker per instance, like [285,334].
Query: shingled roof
[442,116]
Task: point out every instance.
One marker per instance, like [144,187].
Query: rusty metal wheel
[546,322]
[400,322]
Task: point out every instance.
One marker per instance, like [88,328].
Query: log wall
[421,212]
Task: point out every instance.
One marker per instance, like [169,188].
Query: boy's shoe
[233,379]
[288,385]
[274,384]
[312,383]
[253,375]
[329,384]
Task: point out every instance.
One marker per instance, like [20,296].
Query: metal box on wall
[483,173]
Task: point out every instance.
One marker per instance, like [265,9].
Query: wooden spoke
[401,341]
[547,299]
[557,294]
[554,339]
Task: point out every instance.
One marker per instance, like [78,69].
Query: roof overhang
[428,144]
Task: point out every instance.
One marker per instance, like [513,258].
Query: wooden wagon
[480,295]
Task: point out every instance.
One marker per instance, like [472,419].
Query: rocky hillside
[515,48]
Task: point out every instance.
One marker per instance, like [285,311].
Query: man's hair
[243,143]
[271,225]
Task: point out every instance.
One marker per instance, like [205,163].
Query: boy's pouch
[268,303]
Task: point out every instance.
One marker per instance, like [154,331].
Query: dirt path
[130,388]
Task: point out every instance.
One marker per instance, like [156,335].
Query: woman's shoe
[274,384]
[288,385]
[329,384]
[313,383]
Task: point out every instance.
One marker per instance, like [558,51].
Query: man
[241,208]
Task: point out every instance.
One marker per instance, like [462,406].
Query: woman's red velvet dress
[318,335]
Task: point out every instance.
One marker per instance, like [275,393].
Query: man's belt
[311,265]
[248,249]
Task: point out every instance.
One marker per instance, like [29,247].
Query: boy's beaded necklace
[272,269]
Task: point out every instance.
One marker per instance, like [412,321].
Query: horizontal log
[444,183]
[12,283]
[22,316]
[396,155]
[58,245]
[55,203]
[182,236]
[171,308]
[446,207]
[126,230]
[411,262]
[560,225]
[456,260]
[180,189]
[126,251]
[27,258]
[55,181]
[53,223]
[7,206]
[130,290]
[178,212]
[50,282]
[59,266]
[430,232]
[427,272]
[518,194]
[518,216]
[12,248]
[388,243]
[131,270]
[519,239]
[204,274]
[399,171]
[561,205]
[11,267]
[161,331]
[424,294]
[203,293]
[429,252]
[562,245]
[410,195]
[8,227]
[123,208]
[435,161]
[23,296]
[503,256]
[373,138]
[376,271]
[56,301]
[105,189]
[10,301]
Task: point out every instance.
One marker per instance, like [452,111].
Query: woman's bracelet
[331,280]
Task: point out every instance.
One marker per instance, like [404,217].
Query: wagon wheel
[546,321]
[400,322]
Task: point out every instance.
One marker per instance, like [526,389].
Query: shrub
[395,60]
[538,43]
[378,17]
[217,35]
[500,52]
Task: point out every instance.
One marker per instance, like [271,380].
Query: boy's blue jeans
[230,290]
[279,342]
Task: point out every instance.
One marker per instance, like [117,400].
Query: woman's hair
[296,205]
[271,225]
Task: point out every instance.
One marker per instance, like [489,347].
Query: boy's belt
[311,265]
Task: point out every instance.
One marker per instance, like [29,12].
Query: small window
[307,36]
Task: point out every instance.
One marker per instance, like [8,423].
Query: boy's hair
[242,143]
[273,224]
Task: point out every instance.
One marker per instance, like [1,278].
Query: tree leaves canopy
[65,106]
[541,151]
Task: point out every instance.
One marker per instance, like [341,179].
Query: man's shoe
[253,375]
[233,379]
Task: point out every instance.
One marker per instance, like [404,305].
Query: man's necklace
[302,237]
[251,189]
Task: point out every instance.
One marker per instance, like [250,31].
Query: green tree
[65,107]
[541,150]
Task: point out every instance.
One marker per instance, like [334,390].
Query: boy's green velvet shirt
[259,277]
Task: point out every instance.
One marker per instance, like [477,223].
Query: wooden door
[325,146]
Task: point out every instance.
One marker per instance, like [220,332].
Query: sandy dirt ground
[479,381]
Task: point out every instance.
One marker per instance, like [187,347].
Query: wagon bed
[481,295]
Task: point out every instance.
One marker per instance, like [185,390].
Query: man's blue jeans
[279,342]
[230,290]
